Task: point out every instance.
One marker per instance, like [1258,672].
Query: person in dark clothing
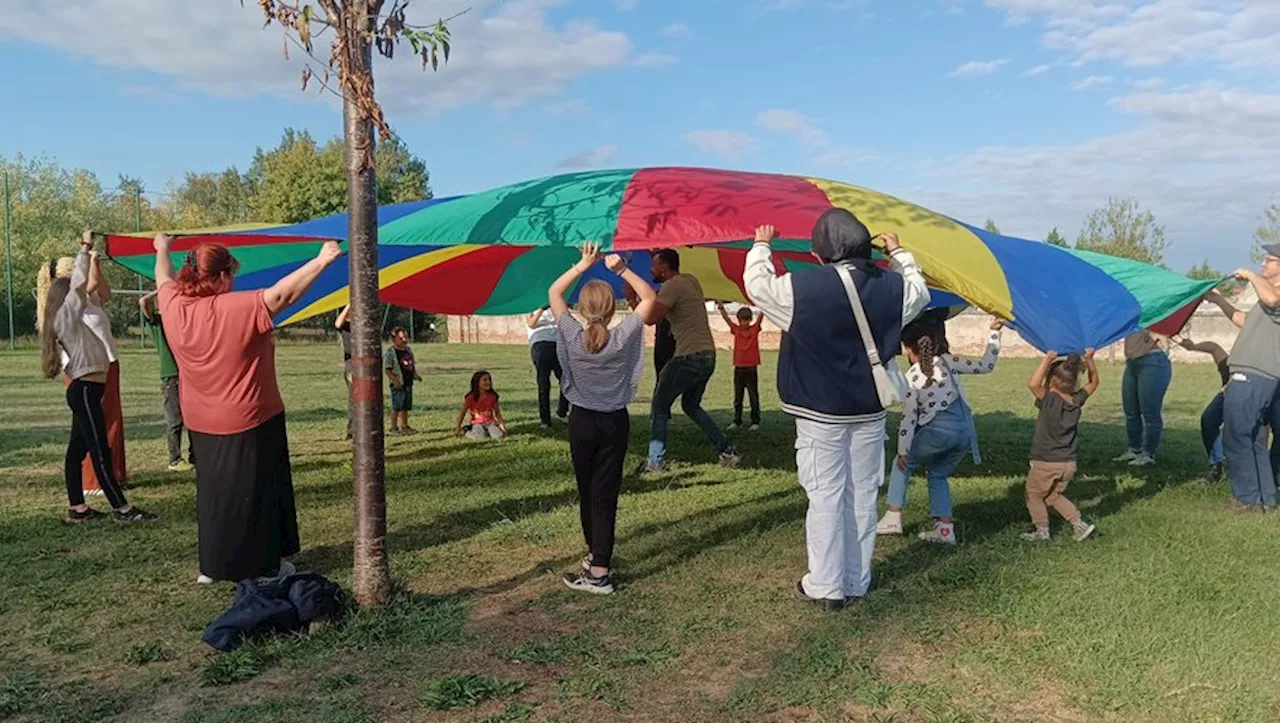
[541,331]
[1211,418]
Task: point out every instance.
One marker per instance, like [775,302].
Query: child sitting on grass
[1059,397]
[746,362]
[486,413]
[937,424]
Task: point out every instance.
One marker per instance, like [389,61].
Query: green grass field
[1168,614]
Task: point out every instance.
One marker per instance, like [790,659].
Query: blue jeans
[685,377]
[1211,428]
[938,445]
[1250,406]
[1146,379]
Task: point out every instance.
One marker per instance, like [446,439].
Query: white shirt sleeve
[915,293]
[770,293]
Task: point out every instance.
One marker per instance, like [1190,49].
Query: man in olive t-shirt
[168,386]
[681,302]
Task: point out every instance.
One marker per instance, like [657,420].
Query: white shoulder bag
[891,386]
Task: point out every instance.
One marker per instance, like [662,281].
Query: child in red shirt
[746,362]
[486,413]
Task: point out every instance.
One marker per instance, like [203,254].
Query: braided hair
[922,338]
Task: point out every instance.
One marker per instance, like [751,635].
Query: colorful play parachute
[496,252]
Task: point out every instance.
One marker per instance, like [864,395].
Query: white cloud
[1093,81]
[676,30]
[730,145]
[1038,70]
[1149,33]
[574,108]
[1147,83]
[589,158]
[975,68]
[504,53]
[812,137]
[653,59]
[1205,161]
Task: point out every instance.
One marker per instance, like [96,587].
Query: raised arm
[1211,348]
[78,299]
[98,285]
[342,317]
[724,314]
[146,303]
[646,297]
[986,365]
[1092,386]
[1038,378]
[1268,295]
[560,287]
[1217,299]
[164,264]
[531,320]
[767,290]
[288,290]
[915,292]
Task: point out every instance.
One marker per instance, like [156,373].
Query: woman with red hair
[221,340]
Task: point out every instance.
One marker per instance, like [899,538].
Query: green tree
[300,179]
[359,27]
[1123,229]
[1266,234]
[991,226]
[1204,272]
[209,199]
[1055,239]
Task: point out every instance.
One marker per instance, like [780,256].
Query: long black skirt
[244,501]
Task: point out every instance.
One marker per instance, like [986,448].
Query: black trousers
[546,363]
[89,436]
[746,379]
[598,444]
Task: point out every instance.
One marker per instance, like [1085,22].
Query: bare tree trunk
[372,576]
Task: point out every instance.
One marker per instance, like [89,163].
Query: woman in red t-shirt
[486,413]
[221,340]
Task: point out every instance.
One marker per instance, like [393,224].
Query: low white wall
[967,333]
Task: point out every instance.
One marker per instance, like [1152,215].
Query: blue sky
[1031,112]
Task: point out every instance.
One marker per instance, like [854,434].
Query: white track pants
[841,467]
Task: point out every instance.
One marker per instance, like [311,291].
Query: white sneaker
[755,428]
[1128,456]
[1142,460]
[1082,531]
[1041,534]
[203,579]
[943,533]
[890,524]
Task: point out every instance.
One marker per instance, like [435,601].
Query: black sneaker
[587,582]
[88,515]
[830,604]
[134,514]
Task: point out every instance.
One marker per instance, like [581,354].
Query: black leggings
[598,444]
[89,436]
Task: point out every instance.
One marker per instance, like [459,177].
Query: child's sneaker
[587,582]
[181,465]
[729,459]
[1040,534]
[755,427]
[1128,456]
[890,524]
[1142,460]
[650,467]
[1082,531]
[203,579]
[943,533]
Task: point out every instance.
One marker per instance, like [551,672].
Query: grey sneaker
[586,582]
[1040,534]
[1082,531]
[831,605]
[729,459]
[651,467]
[1128,456]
